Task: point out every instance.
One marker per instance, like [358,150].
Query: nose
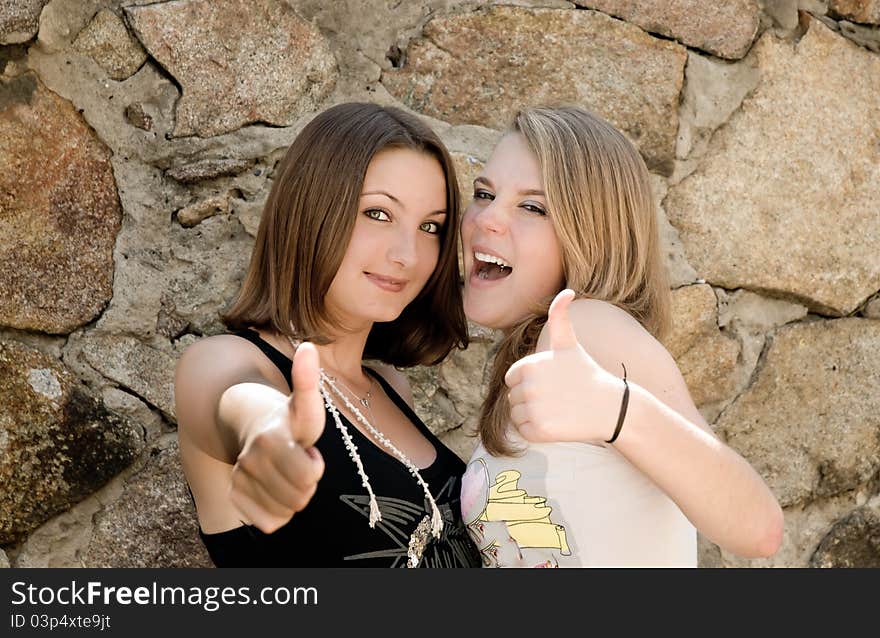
[488,218]
[403,250]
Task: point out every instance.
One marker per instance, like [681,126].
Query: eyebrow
[530,191]
[388,195]
[397,201]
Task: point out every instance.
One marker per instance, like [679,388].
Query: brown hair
[599,198]
[308,221]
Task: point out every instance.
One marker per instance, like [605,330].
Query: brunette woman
[296,453]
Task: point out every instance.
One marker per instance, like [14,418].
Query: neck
[344,355]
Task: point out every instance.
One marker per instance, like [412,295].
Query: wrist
[621,413]
[638,413]
[243,409]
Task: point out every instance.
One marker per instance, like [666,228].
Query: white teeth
[492,259]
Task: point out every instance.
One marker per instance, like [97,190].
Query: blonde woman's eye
[534,208]
[378,215]
[481,194]
[431,227]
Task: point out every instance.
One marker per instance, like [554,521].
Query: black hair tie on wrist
[623,405]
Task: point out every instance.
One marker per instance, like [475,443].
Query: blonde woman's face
[512,256]
[395,244]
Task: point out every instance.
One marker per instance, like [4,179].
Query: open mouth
[490,267]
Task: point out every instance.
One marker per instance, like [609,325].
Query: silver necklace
[418,539]
[363,400]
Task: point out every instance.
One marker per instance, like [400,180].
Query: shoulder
[614,338]
[225,356]
[602,326]
[209,366]
[220,357]
[596,314]
[397,380]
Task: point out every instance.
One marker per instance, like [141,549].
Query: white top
[571,505]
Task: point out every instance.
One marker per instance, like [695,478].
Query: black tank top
[333,529]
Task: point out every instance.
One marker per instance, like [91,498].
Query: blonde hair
[599,198]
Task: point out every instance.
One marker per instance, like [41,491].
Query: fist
[277,471]
[562,394]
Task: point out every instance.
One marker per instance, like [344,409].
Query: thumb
[306,403]
[562,335]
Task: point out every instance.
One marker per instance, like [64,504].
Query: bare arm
[211,403]
[664,435]
[232,413]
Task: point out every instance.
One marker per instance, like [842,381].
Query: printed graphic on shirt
[504,520]
[452,549]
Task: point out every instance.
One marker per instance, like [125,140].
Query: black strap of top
[281,360]
[283,363]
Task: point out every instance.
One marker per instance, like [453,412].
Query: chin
[384,315]
[481,308]
[496,318]
[487,320]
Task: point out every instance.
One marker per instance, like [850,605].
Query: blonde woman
[592,452]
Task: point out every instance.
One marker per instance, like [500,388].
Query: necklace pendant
[418,541]
[365,402]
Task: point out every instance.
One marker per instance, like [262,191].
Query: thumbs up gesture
[306,405]
[278,469]
[562,394]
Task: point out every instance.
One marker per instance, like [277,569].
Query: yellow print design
[527,517]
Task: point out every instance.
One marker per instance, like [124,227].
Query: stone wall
[137,146]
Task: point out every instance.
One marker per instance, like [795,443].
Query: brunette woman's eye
[432,228]
[378,215]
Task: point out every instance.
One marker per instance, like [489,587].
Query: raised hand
[278,469]
[306,404]
[562,394]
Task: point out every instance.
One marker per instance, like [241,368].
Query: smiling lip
[473,277]
[386,283]
[476,248]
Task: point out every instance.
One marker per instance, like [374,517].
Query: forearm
[241,406]
[719,492]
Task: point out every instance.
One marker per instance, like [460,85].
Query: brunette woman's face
[396,241]
[512,256]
